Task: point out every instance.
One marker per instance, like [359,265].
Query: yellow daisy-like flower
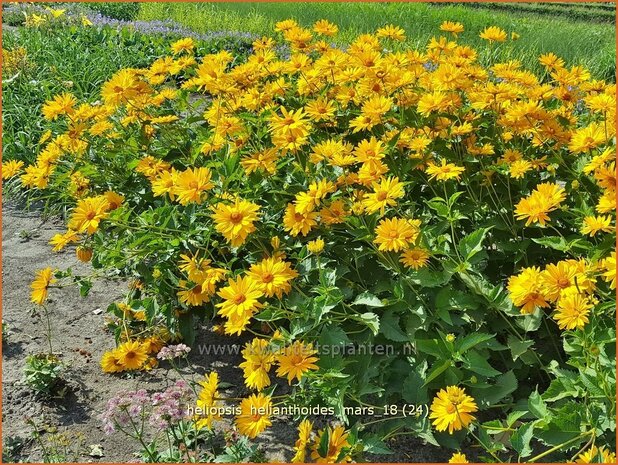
[207,403]
[110,362]
[596,455]
[258,361]
[325,28]
[609,266]
[315,246]
[192,184]
[452,27]
[183,45]
[458,457]
[595,224]
[525,290]
[60,241]
[131,355]
[396,233]
[415,258]
[60,105]
[88,214]
[493,34]
[337,442]
[235,222]
[572,310]
[452,409]
[255,415]
[273,276]
[298,223]
[384,194]
[241,297]
[295,360]
[44,278]
[543,200]
[11,168]
[444,171]
[300,447]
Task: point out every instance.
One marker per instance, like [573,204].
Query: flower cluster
[376,193]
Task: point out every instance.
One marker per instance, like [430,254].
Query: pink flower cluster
[127,410]
[172,352]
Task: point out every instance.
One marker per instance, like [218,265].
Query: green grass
[578,42]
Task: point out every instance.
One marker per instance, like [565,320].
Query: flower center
[267,277]
[239,299]
[236,217]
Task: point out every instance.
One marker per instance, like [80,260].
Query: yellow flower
[40,285]
[183,45]
[131,355]
[519,168]
[452,27]
[84,254]
[273,276]
[594,224]
[235,222]
[525,290]
[241,297]
[258,361]
[10,168]
[415,258]
[588,138]
[563,275]
[391,32]
[110,363]
[572,310]
[395,234]
[609,266]
[62,104]
[298,223]
[255,415]
[60,241]
[384,194]
[88,214]
[596,455]
[493,34]
[316,246]
[191,185]
[304,435]
[192,294]
[325,27]
[207,402]
[452,408]
[444,171]
[543,200]
[337,442]
[458,457]
[122,87]
[295,360]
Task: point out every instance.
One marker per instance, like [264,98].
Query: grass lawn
[589,43]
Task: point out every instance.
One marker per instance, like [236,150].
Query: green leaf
[472,340]
[372,321]
[472,244]
[374,445]
[389,326]
[505,384]
[537,406]
[477,363]
[413,389]
[520,440]
[367,299]
[553,242]
[518,347]
[436,371]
